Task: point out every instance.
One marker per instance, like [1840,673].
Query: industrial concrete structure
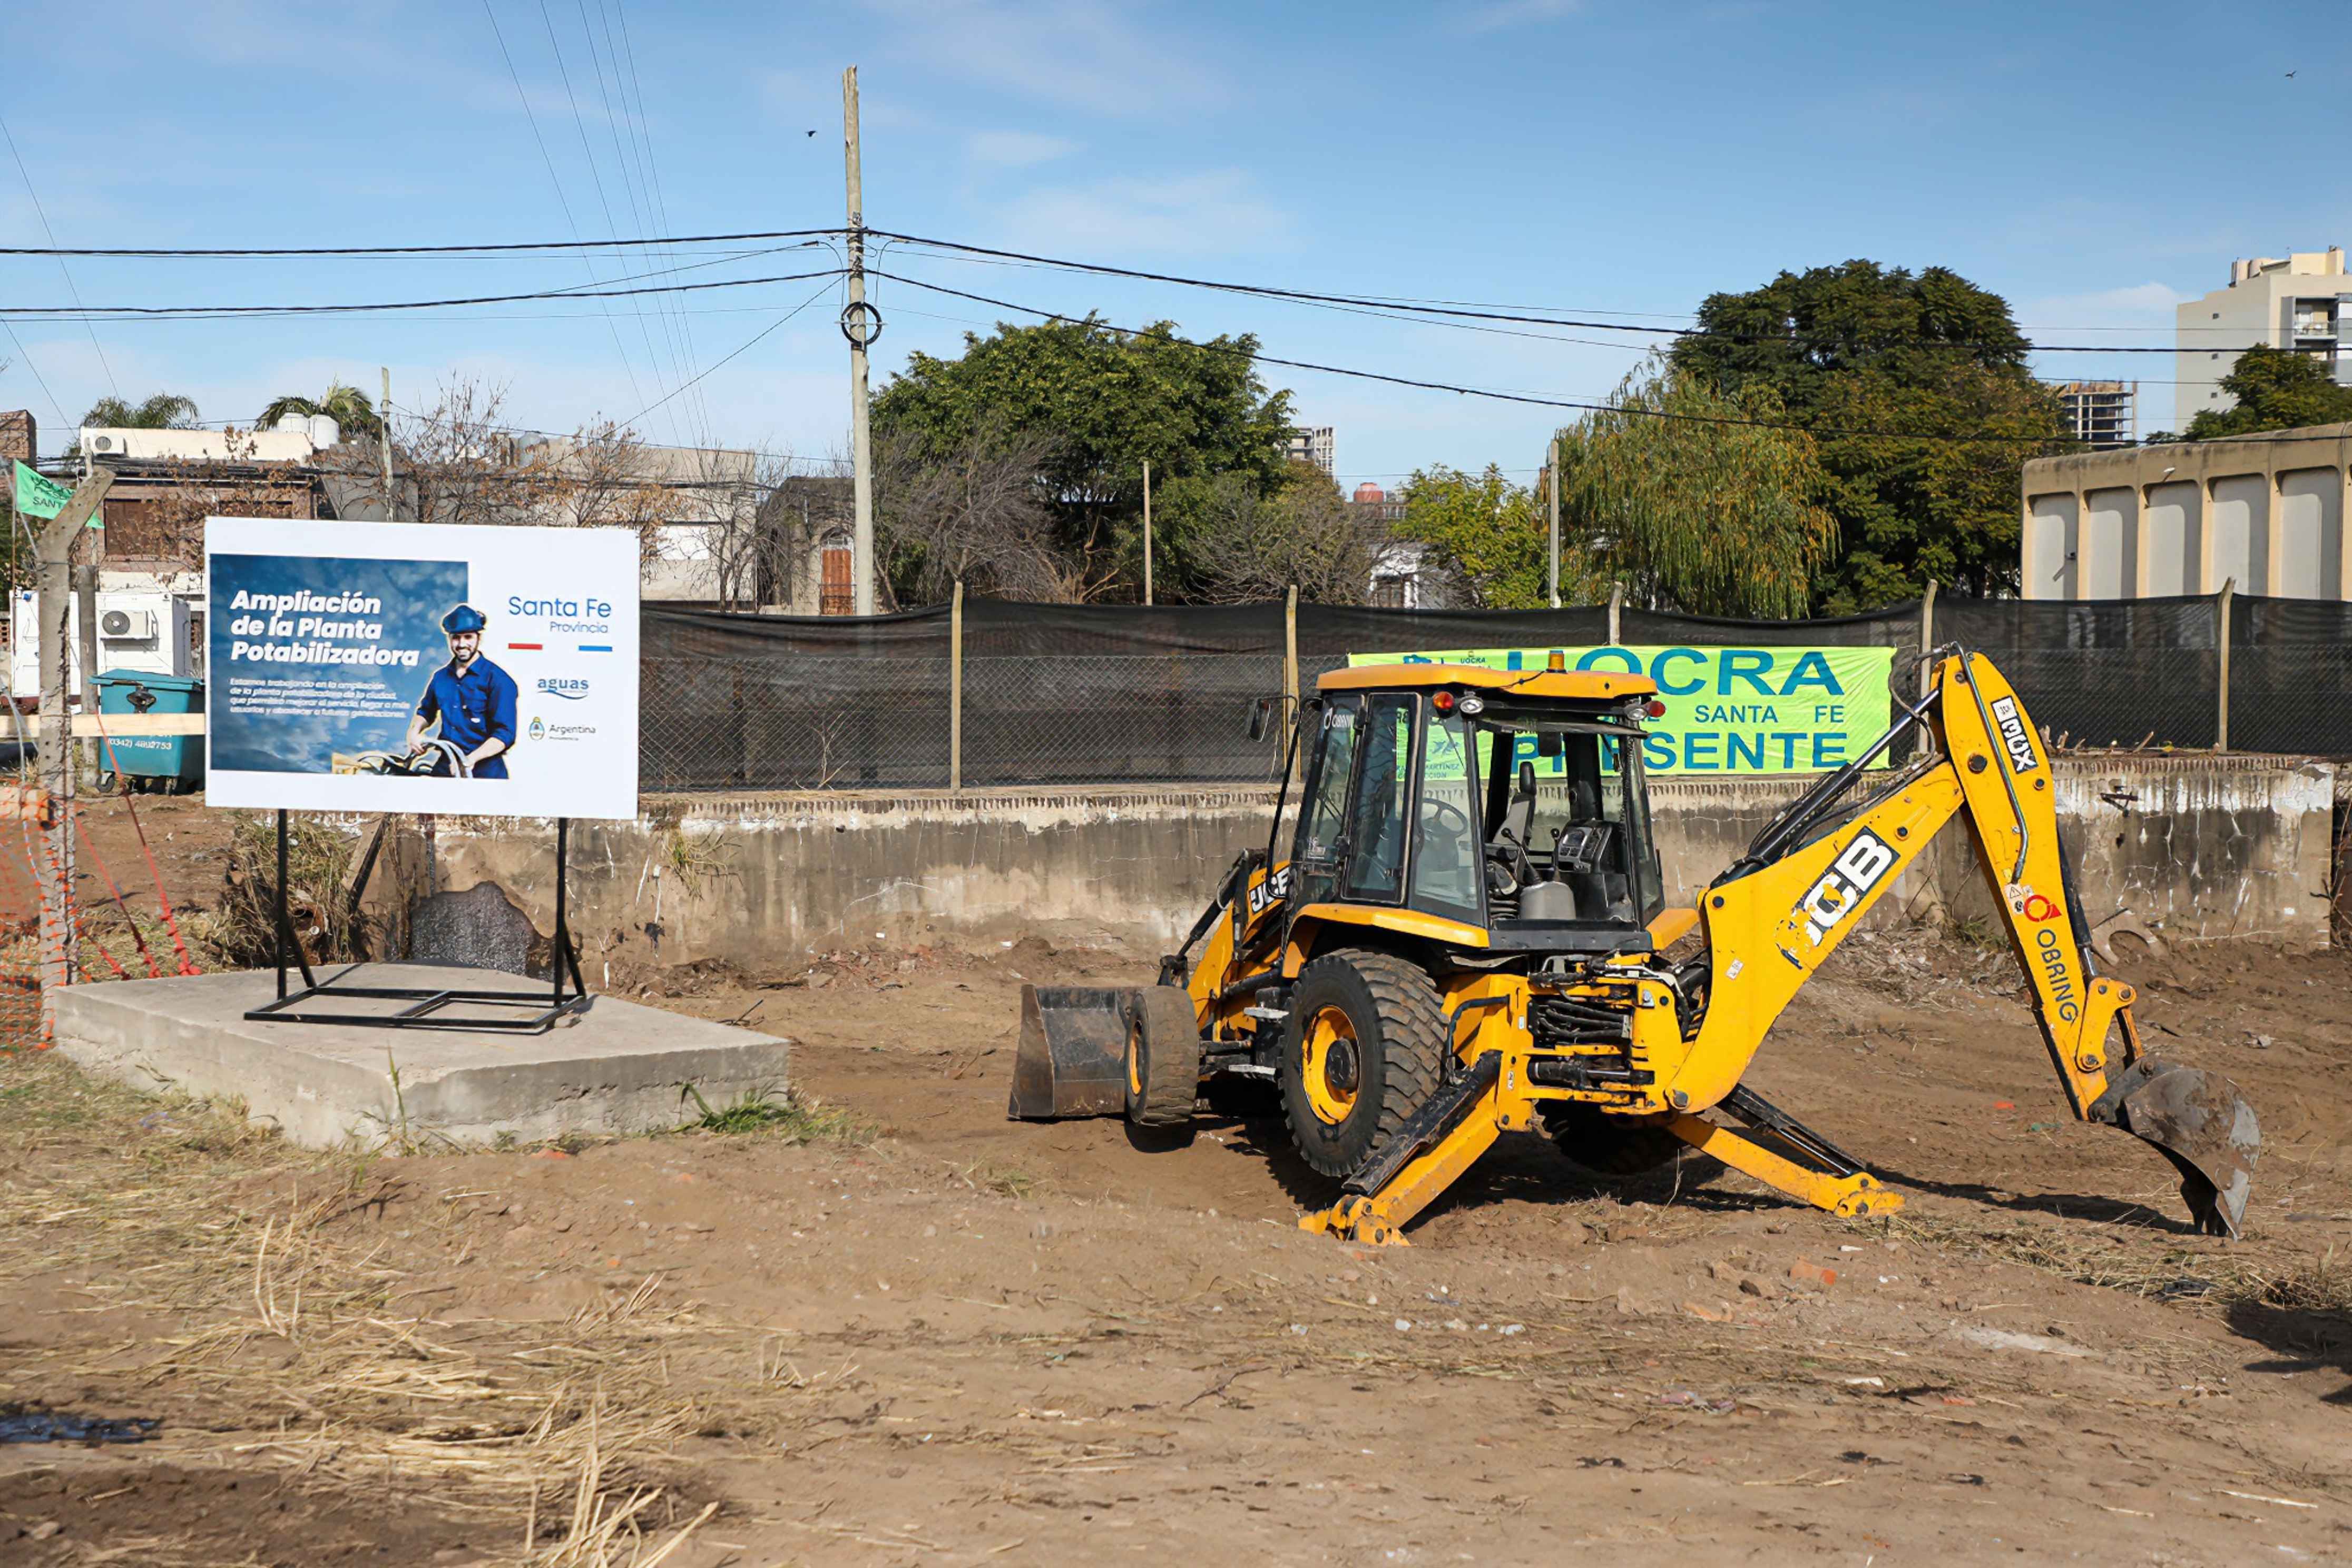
[1315,444]
[2303,300]
[2100,414]
[2263,512]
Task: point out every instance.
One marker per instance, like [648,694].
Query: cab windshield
[1544,817]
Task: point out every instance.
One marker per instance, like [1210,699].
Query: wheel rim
[1332,1066]
[1135,1060]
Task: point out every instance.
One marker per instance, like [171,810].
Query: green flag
[39,497]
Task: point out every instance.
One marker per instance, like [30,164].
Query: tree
[1104,402]
[1915,390]
[163,411]
[975,514]
[1224,539]
[348,406]
[1493,535]
[1698,501]
[2275,389]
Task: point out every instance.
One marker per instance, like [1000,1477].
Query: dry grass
[2157,1267]
[290,1318]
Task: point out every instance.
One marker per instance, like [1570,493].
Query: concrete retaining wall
[2199,848]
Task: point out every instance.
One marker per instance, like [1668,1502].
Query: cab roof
[1569,685]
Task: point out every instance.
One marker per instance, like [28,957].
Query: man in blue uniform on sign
[473,699]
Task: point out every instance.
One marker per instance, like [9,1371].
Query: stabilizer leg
[1852,1193]
[1430,1152]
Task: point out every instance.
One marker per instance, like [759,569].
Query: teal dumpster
[174,762]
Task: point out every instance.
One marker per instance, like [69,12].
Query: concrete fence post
[1616,603]
[955,689]
[53,608]
[85,595]
[2221,644]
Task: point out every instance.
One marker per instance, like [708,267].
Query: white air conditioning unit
[126,626]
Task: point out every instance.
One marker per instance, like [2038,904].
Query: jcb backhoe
[1469,938]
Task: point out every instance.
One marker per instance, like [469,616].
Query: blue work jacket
[475,707]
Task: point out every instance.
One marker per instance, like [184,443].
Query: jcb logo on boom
[1845,884]
[2020,744]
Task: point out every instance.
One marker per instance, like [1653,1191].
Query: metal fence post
[955,691]
[2222,641]
[1927,635]
[1290,649]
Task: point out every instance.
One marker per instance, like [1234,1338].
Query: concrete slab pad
[618,1067]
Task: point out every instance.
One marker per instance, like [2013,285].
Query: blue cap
[464,618]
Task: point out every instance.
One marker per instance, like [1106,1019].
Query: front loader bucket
[2197,1120]
[1073,1055]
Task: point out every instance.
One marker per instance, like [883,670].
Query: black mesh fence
[1058,694]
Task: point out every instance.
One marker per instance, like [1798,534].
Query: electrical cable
[562,200]
[248,312]
[1940,437]
[1311,297]
[763,332]
[39,212]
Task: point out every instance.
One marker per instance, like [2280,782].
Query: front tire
[1365,1047]
[1163,1059]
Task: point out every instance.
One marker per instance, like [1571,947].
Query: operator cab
[1511,800]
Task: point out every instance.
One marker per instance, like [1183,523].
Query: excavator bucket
[1073,1056]
[2199,1121]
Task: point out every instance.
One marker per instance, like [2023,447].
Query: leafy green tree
[164,411]
[2275,389]
[1495,536]
[1915,391]
[1101,403]
[348,406]
[1696,500]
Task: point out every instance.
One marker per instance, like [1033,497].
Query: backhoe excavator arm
[1777,915]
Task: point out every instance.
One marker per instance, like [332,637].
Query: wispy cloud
[1017,149]
[1219,211]
[1502,14]
[1090,54]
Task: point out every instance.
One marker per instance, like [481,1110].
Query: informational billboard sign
[421,667]
[1750,709]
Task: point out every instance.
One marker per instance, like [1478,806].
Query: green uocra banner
[1753,709]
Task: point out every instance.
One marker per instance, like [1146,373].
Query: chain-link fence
[997,694]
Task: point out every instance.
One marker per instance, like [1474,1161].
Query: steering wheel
[1451,819]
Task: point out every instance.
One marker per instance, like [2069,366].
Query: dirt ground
[901,1329]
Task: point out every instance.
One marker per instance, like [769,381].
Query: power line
[763,332]
[37,377]
[1451,312]
[184,253]
[1947,437]
[42,213]
[248,312]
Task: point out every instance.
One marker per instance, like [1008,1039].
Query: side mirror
[1261,716]
[1550,743]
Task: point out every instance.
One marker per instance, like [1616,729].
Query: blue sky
[2094,163]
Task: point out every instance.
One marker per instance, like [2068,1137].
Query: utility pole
[383,429]
[53,547]
[856,324]
[1147,531]
[1553,469]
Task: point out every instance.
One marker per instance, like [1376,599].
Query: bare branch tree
[979,513]
[1238,544]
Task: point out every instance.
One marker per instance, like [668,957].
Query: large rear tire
[1163,1059]
[1607,1145]
[1365,1047]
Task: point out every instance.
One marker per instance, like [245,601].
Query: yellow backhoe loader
[1468,937]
